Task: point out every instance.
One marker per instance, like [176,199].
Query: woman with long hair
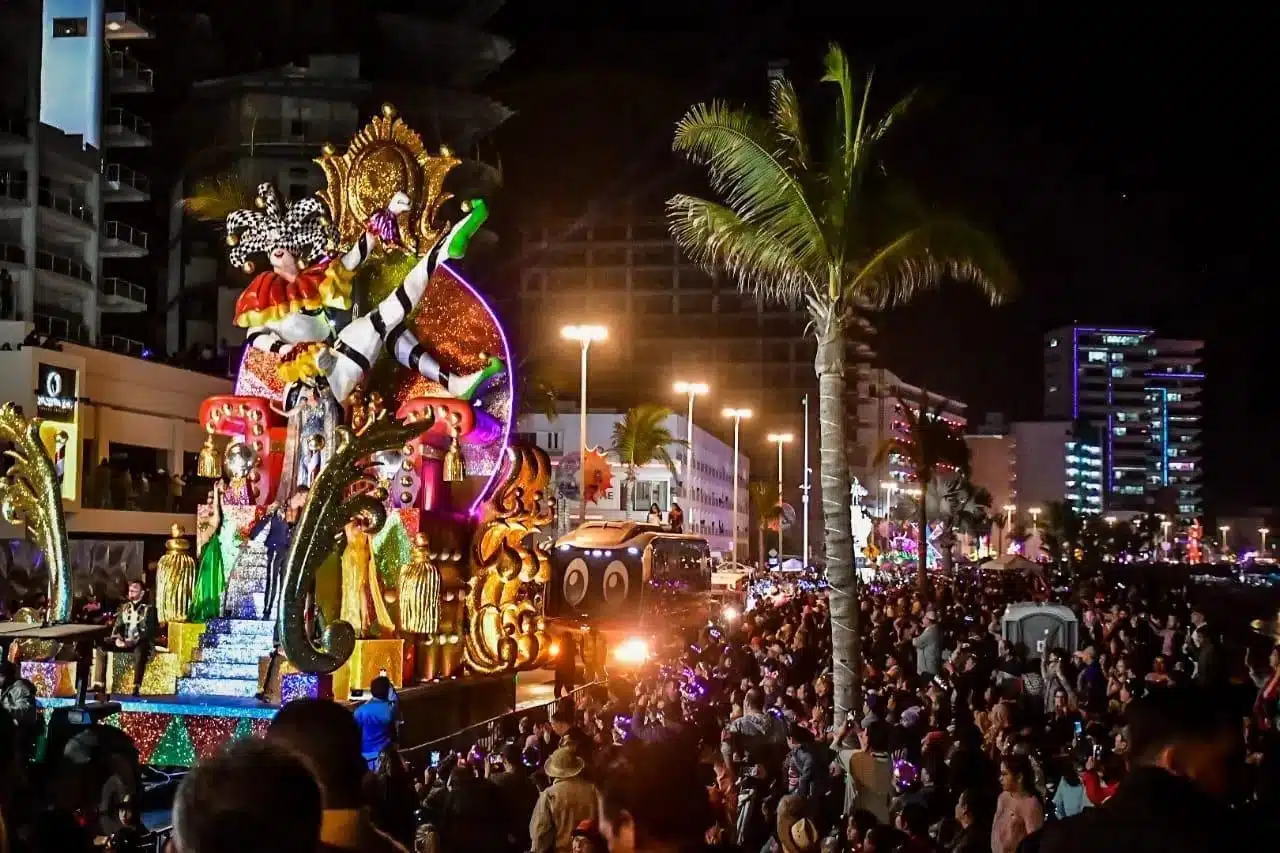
[1018,810]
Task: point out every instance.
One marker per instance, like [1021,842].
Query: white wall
[707,500]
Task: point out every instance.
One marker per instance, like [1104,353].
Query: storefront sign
[56,393]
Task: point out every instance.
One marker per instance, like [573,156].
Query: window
[298,128]
[1096,356]
[1053,389]
[1119,373]
[1053,343]
[1117,356]
[70,28]
[297,192]
[298,172]
[1174,397]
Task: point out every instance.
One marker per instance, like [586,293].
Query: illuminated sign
[56,393]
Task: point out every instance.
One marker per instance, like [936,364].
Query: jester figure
[302,310]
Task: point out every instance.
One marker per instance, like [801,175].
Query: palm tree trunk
[846,639]
[922,576]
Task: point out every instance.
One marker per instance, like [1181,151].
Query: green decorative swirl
[335,498]
[30,494]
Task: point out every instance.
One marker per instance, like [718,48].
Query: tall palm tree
[819,227]
[641,438]
[766,506]
[930,447]
[961,506]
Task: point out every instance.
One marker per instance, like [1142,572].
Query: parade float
[370,515]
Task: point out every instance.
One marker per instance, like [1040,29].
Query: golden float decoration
[506,627]
[420,590]
[175,578]
[30,494]
[384,158]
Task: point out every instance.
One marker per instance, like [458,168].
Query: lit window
[64,28]
[1053,342]
[1053,389]
[1118,372]
[1097,355]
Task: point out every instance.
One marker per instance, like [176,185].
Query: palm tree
[820,228]
[931,446]
[962,507]
[767,508]
[642,437]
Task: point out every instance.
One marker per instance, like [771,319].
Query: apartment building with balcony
[1140,392]
[60,233]
[882,402]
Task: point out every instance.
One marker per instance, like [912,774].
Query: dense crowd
[1138,727]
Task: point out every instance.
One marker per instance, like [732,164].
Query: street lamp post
[584,335]
[1035,520]
[1264,531]
[889,486]
[1009,510]
[804,488]
[1164,529]
[693,389]
[1224,530]
[779,438]
[738,416]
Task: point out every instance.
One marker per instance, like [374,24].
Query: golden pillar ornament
[420,590]
[175,578]
[454,470]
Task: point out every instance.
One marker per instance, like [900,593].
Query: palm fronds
[213,198]
[642,437]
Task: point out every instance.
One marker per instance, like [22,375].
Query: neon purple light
[1117,331]
[506,356]
[1175,376]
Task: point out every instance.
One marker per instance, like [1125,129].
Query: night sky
[1119,162]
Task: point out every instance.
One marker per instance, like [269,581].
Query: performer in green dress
[211,576]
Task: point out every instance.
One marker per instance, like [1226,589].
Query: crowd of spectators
[1150,732]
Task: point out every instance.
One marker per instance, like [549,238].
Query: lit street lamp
[1009,510]
[1264,531]
[779,438]
[738,416]
[889,486]
[1224,530]
[584,335]
[1035,520]
[693,389]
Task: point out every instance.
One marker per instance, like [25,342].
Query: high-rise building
[269,124]
[1141,393]
[882,404]
[63,251]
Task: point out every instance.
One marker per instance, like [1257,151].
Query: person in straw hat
[564,805]
[797,833]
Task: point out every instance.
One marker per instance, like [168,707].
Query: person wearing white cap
[565,804]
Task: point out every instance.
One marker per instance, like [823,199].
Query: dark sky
[1124,162]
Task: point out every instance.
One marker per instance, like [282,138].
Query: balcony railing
[277,130]
[130,72]
[119,177]
[121,289]
[60,327]
[11,254]
[125,234]
[66,205]
[13,185]
[128,346]
[70,267]
[123,121]
[13,126]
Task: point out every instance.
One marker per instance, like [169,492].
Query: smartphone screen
[1079,728]
[435,759]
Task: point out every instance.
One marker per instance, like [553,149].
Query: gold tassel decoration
[175,578]
[454,470]
[209,465]
[420,590]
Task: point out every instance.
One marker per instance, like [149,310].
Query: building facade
[705,494]
[993,461]
[1055,461]
[101,406]
[668,321]
[66,245]
[1141,393]
[880,416]
[270,125]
